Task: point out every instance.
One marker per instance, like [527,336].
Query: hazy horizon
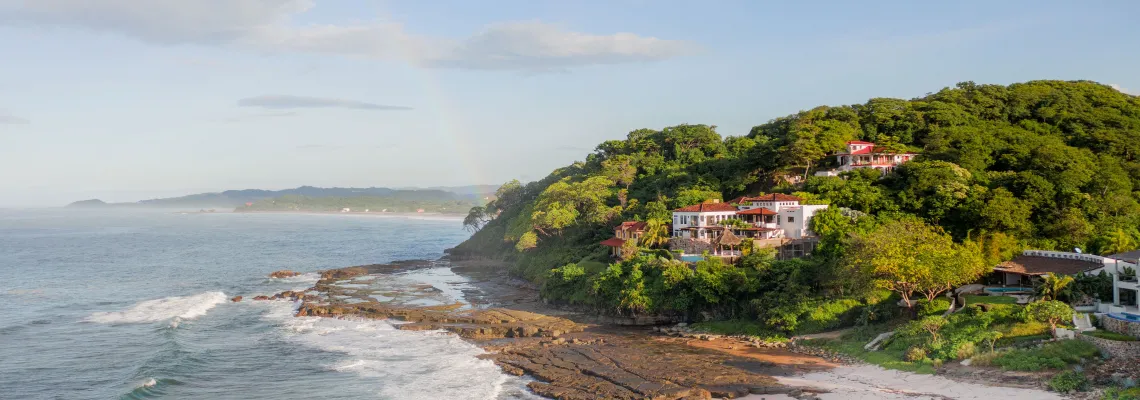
[124,101]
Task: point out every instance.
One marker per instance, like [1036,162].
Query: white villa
[771,216]
[864,155]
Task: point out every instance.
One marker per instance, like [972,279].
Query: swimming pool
[1126,316]
[1006,289]
[691,257]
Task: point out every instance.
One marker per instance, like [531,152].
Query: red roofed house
[769,216]
[630,230]
[702,221]
[864,155]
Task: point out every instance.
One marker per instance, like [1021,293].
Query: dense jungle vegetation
[1041,164]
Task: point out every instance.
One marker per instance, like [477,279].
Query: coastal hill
[1041,164]
[236,198]
[88,203]
[430,201]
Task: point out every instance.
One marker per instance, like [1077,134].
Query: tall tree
[907,256]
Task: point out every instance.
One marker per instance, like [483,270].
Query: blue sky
[125,100]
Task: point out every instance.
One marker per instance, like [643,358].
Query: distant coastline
[455,216]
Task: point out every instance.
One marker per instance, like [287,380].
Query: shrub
[1050,356]
[915,353]
[1069,381]
[828,315]
[936,307]
[1026,329]
[1121,394]
[1111,336]
[966,350]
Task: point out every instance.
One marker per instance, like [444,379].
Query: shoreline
[572,356]
[437,215]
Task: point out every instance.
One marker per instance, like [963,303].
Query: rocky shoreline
[572,355]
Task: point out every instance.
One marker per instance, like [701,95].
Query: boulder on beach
[284,274]
[262,297]
[236,299]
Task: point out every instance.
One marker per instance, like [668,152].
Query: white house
[864,155]
[770,216]
[701,221]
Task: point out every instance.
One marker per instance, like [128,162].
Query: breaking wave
[411,365]
[174,309]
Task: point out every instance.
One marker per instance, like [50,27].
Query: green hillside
[1042,164]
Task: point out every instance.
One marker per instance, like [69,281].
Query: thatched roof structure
[727,238]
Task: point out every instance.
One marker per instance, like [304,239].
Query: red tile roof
[737,200]
[756,211]
[634,225]
[613,242]
[774,197]
[707,207]
[858,142]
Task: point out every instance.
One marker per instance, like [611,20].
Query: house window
[791,219]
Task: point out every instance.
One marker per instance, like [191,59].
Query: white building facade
[771,216]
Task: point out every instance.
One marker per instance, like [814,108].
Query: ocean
[127,304]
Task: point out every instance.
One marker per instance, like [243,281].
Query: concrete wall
[1115,349]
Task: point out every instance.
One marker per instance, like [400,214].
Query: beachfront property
[631,230]
[861,154]
[1022,273]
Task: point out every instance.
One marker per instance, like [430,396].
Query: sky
[125,100]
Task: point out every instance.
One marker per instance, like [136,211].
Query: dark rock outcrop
[236,299]
[283,274]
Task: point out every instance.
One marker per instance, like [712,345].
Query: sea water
[104,304]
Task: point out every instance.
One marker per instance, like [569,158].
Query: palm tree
[1053,286]
[656,234]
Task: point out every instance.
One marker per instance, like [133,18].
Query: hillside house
[772,220]
[861,154]
[626,231]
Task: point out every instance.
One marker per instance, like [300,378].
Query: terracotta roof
[1038,265]
[707,207]
[613,242]
[756,211]
[737,200]
[634,225]
[774,197]
[858,142]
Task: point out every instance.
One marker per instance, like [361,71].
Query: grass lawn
[982,299]
[852,343]
[1111,336]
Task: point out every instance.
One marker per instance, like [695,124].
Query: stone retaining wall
[690,246]
[1114,348]
[1120,326]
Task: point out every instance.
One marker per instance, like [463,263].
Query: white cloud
[9,119]
[1120,89]
[268,25]
[282,102]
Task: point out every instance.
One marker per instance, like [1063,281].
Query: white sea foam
[306,278]
[174,309]
[404,364]
[150,382]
